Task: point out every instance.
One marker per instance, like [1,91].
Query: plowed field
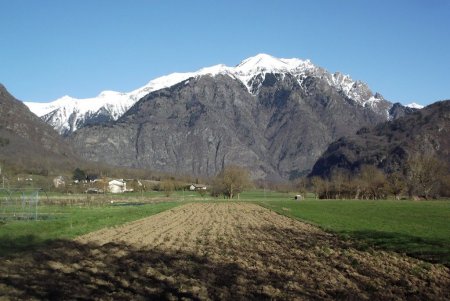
[231,251]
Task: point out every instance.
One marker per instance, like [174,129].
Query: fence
[19,204]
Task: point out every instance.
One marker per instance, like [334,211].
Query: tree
[217,187]
[301,185]
[445,184]
[79,175]
[321,187]
[136,186]
[232,181]
[316,183]
[396,184]
[101,184]
[373,182]
[424,175]
[168,186]
[338,180]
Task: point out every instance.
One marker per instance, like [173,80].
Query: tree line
[421,177]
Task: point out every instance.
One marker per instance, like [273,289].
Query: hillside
[389,144]
[27,143]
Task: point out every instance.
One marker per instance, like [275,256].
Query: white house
[197,187]
[117,186]
[59,182]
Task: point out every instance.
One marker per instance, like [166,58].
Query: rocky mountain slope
[274,116]
[26,142]
[68,114]
[389,144]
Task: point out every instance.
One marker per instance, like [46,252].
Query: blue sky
[79,48]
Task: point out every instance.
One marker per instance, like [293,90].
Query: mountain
[398,110]
[388,145]
[414,106]
[274,116]
[68,114]
[28,143]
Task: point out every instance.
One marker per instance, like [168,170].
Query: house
[117,186]
[59,181]
[194,187]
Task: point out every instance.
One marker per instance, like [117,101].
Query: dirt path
[230,251]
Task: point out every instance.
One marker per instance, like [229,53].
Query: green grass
[69,222]
[262,195]
[419,229]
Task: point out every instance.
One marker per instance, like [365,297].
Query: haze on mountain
[274,116]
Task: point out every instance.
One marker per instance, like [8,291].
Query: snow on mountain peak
[58,113]
[414,105]
[110,94]
[268,63]
[213,70]
[261,60]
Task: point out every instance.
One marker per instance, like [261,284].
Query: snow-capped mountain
[68,114]
[414,105]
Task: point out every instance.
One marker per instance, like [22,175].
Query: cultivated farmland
[218,251]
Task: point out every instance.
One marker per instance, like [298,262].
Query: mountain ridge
[68,114]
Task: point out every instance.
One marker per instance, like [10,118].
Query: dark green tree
[79,175]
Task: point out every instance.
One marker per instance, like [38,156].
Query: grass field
[419,229]
[69,222]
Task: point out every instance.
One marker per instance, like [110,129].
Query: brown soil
[230,251]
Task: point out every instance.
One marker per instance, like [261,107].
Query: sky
[52,48]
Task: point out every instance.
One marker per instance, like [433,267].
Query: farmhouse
[194,187]
[117,186]
[59,182]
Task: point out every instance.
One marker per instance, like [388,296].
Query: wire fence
[19,204]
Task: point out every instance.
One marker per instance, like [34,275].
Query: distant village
[96,185]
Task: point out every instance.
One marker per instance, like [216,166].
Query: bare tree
[101,184]
[301,185]
[168,186]
[424,175]
[321,188]
[316,183]
[338,180]
[232,181]
[445,184]
[373,182]
[396,184]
